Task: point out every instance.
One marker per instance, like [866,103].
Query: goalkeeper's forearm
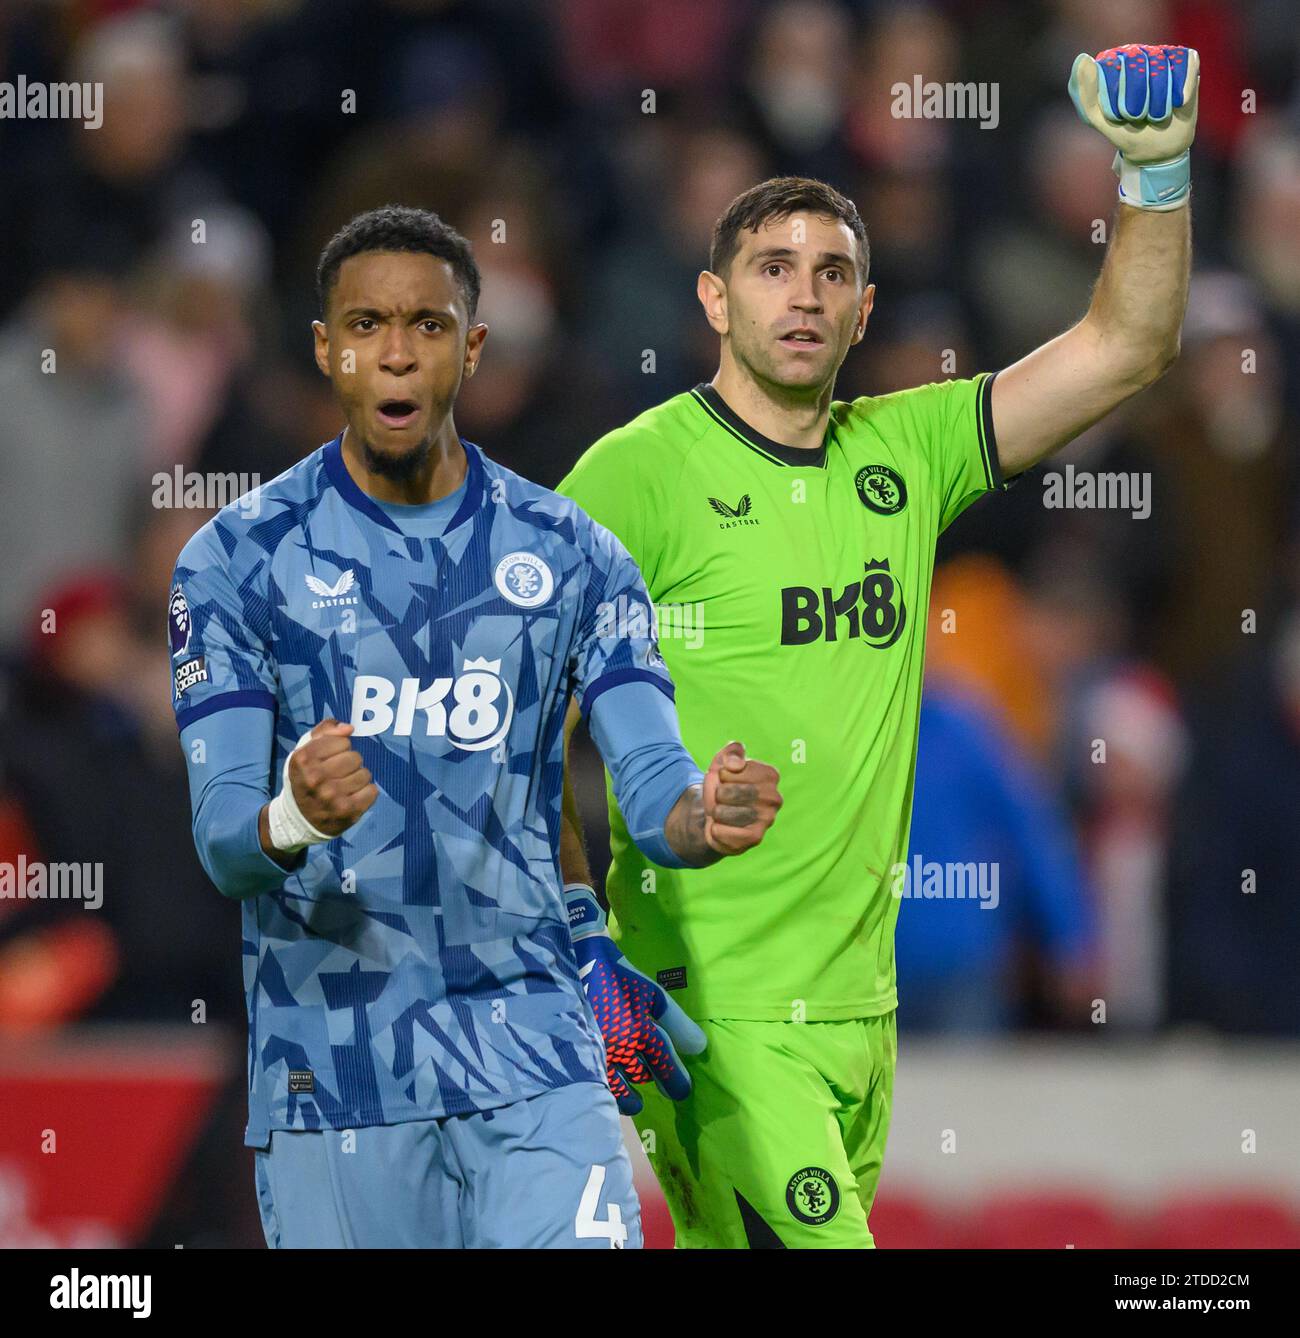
[655,781]
[683,830]
[1138,304]
[574,866]
[1127,339]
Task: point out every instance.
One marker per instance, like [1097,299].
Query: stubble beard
[763,369]
[397,468]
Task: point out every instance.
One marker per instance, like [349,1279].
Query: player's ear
[864,312]
[474,346]
[321,339]
[712,292]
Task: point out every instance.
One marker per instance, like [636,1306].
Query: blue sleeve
[218,626]
[224,688]
[228,757]
[615,641]
[635,728]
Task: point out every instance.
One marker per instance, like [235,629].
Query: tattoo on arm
[684,829]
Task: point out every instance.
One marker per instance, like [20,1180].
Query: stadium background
[586,146]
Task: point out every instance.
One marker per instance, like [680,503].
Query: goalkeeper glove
[1143,99]
[638,1022]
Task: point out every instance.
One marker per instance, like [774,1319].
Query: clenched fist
[331,784]
[741,800]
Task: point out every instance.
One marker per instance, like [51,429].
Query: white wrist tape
[1158,186]
[290,831]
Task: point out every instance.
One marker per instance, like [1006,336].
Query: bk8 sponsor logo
[477,716]
[870,608]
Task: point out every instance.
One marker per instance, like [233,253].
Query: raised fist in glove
[1143,99]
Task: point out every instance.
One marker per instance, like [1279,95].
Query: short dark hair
[398,227]
[779,198]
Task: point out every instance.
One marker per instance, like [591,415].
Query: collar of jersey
[726,417]
[345,485]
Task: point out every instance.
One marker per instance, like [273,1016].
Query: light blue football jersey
[419,965]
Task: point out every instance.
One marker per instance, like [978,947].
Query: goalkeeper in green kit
[794,536]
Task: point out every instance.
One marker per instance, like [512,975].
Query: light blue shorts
[549,1172]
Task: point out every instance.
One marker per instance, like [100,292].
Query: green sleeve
[957,423]
[612,485]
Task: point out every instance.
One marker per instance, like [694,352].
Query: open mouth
[801,339]
[397,413]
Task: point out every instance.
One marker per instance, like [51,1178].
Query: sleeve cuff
[224,701]
[615,678]
[987,438]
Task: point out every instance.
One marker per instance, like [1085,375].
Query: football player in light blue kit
[371,657]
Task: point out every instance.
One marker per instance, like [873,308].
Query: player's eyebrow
[438,313]
[786,252]
[423,314]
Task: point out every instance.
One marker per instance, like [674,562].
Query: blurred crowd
[1113,709]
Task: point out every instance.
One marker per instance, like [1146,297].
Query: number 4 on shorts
[587,1225]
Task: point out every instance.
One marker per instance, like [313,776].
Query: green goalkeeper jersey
[791,589]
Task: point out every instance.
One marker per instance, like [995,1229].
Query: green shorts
[781,1141]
